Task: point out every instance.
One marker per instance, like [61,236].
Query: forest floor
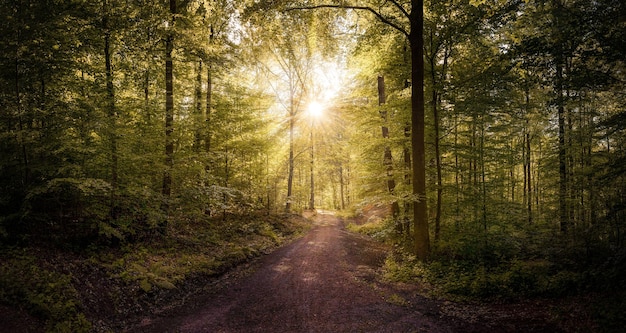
[331,281]
[252,274]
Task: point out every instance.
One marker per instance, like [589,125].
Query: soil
[330,281]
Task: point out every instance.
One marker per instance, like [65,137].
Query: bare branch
[399,6]
[378,15]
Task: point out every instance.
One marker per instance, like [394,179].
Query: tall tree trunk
[420,219]
[312,194]
[209,101]
[538,192]
[111,111]
[457,172]
[341,185]
[387,156]
[207,116]
[435,101]
[588,164]
[20,120]
[146,95]
[473,170]
[483,185]
[169,116]
[560,104]
[290,171]
[563,172]
[198,119]
[512,172]
[347,183]
[408,205]
[529,190]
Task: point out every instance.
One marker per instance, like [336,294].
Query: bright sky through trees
[315,110]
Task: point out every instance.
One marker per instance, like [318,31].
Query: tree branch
[399,6]
[378,15]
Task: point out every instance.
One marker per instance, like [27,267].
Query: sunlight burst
[315,109]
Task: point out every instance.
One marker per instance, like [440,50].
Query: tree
[169,111]
[387,157]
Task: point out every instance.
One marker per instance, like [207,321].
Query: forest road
[327,281]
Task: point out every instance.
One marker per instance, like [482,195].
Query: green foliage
[67,207]
[201,245]
[466,280]
[44,293]
[381,229]
[467,268]
[402,267]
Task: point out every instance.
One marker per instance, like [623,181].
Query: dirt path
[324,282]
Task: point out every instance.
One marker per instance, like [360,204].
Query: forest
[135,132]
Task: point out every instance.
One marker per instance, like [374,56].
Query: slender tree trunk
[347,183]
[20,117]
[512,172]
[457,172]
[538,192]
[207,116]
[563,172]
[473,170]
[290,171]
[572,181]
[420,219]
[198,119]
[408,205]
[341,185]
[209,96]
[387,157]
[111,112]
[169,116]
[146,95]
[526,156]
[561,115]
[435,101]
[588,164]
[20,123]
[483,186]
[268,205]
[529,190]
[312,194]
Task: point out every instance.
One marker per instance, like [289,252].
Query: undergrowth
[45,285]
[464,280]
[43,292]
[508,269]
